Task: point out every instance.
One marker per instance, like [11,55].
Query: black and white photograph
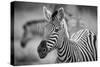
[52,33]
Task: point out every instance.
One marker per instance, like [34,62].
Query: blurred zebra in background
[31,29]
[80,47]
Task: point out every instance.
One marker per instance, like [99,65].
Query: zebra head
[52,31]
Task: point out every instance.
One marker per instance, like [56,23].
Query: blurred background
[79,16]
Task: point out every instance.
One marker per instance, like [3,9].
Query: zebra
[31,29]
[79,48]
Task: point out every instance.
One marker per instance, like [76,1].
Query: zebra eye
[57,29]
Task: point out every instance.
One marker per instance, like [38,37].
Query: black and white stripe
[82,48]
[52,41]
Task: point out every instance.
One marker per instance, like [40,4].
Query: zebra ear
[47,13]
[60,15]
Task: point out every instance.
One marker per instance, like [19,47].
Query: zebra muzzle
[42,49]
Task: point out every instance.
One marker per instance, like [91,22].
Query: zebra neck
[67,51]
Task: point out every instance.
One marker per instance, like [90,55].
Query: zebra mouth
[42,56]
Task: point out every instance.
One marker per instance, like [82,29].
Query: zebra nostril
[44,50]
